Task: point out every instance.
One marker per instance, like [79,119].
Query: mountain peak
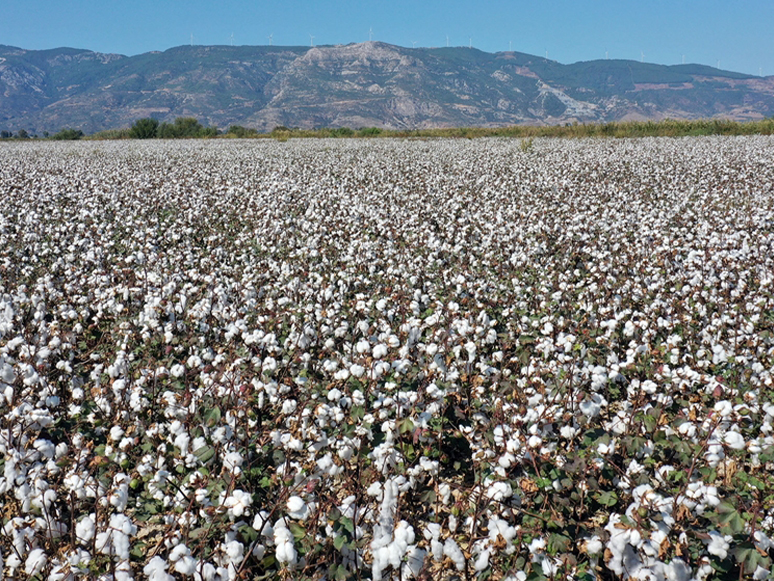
[360,84]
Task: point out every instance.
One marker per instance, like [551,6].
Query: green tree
[146,128]
[239,131]
[185,127]
[67,134]
[22,134]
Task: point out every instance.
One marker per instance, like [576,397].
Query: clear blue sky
[738,33]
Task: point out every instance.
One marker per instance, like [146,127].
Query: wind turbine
[447,41]
[606,55]
[642,56]
[232,39]
[271,39]
[311,40]
[510,46]
[546,54]
[192,39]
[370,34]
[413,44]
[718,64]
[470,42]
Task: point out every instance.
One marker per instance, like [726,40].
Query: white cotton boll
[380,351]
[725,408]
[594,545]
[177,370]
[375,490]
[432,531]
[452,550]
[363,346]
[155,570]
[85,529]
[289,406]
[234,551]
[734,440]
[178,552]
[283,540]
[499,491]
[35,562]
[760,573]
[297,508]
[116,432]
[357,370]
[238,503]
[232,462]
[186,565]
[534,441]
[205,572]
[649,387]
[677,570]
[413,561]
[506,460]
[568,432]
[482,562]
[334,395]
[718,544]
[719,355]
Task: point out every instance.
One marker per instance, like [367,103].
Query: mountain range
[358,85]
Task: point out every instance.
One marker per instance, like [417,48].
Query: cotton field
[387,359]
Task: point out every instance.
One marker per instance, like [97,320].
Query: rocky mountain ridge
[357,85]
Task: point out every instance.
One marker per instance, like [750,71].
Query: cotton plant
[402,359]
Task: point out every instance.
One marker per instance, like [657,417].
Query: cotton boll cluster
[396,357]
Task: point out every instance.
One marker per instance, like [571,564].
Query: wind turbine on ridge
[271,39]
[311,40]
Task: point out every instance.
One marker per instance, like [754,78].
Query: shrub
[342,132]
[144,128]
[369,132]
[67,135]
[185,127]
[239,131]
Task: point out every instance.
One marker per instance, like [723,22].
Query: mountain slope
[368,84]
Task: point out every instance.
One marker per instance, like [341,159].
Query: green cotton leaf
[357,412]
[608,498]
[298,531]
[405,425]
[211,417]
[728,518]
[198,533]
[747,556]
[558,543]
[204,454]
[248,533]
[347,523]
[338,542]
[340,574]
